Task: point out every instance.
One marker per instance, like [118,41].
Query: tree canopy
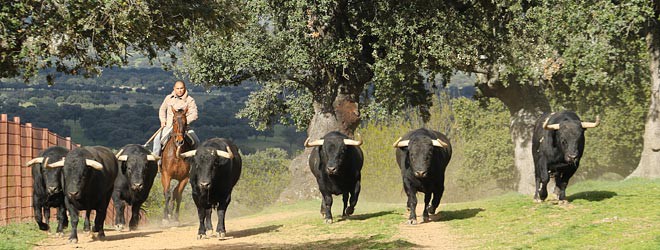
[81,37]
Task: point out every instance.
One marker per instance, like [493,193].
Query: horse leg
[178,195]
[165,179]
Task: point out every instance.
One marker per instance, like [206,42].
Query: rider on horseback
[179,99]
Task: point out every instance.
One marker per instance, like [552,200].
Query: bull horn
[57,164]
[357,142]
[439,143]
[94,164]
[401,144]
[547,126]
[396,142]
[314,143]
[189,153]
[228,154]
[591,124]
[122,157]
[34,161]
[151,157]
[119,153]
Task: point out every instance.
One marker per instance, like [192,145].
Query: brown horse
[173,166]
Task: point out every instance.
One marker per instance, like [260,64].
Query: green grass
[20,235]
[601,215]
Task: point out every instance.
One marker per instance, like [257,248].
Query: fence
[18,144]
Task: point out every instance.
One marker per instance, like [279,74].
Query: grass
[601,215]
[20,235]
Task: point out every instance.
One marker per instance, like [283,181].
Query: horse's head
[179,125]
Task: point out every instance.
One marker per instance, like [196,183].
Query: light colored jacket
[165,113]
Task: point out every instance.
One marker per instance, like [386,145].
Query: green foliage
[79,37]
[487,148]
[264,176]
[20,235]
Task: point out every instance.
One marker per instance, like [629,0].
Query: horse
[173,166]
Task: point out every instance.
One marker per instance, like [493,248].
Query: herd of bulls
[87,178]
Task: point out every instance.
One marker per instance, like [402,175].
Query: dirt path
[247,232]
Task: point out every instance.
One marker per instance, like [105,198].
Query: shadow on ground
[591,196]
[128,235]
[253,231]
[370,215]
[457,214]
[373,242]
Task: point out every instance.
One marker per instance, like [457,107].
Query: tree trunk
[343,118]
[648,165]
[525,103]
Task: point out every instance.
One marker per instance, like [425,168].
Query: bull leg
[178,195]
[47,217]
[354,199]
[135,216]
[165,180]
[62,220]
[100,217]
[562,183]
[119,211]
[86,224]
[322,208]
[73,212]
[542,178]
[208,223]
[344,198]
[437,196]
[327,202]
[38,213]
[427,200]
[222,209]
[201,214]
[412,204]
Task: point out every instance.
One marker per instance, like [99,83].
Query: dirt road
[255,232]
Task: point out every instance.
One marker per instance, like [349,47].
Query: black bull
[423,156]
[557,146]
[47,188]
[137,171]
[336,162]
[215,169]
[89,175]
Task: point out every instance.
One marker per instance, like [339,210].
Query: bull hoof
[73,241]
[349,211]
[221,236]
[328,221]
[426,219]
[412,222]
[563,202]
[44,227]
[537,201]
[431,210]
[202,236]
[59,235]
[119,227]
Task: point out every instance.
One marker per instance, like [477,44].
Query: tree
[80,37]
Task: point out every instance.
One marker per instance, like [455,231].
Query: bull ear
[547,126]
[122,158]
[314,143]
[591,124]
[151,157]
[34,161]
[94,164]
[189,153]
[439,143]
[228,154]
[58,164]
[119,153]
